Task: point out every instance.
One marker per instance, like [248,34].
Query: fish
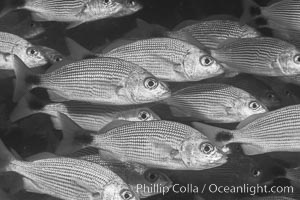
[214,103]
[155,144]
[239,170]
[211,33]
[260,90]
[287,92]
[149,178]
[169,59]
[88,116]
[263,56]
[22,25]
[262,133]
[27,52]
[52,55]
[103,80]
[283,14]
[74,12]
[58,177]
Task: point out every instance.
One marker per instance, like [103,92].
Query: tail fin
[10,5]
[74,137]
[27,106]
[6,157]
[26,79]
[251,11]
[219,136]
[77,51]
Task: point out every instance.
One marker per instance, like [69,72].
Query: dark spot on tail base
[34,80]
[255,11]
[84,139]
[35,104]
[224,136]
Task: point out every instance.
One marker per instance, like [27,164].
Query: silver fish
[274,131]
[283,13]
[88,116]
[149,178]
[59,177]
[215,103]
[211,33]
[27,52]
[100,80]
[262,56]
[169,59]
[260,90]
[75,12]
[157,144]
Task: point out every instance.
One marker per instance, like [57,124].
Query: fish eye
[32,24]
[106,1]
[256,172]
[288,93]
[144,115]
[206,60]
[58,58]
[132,2]
[151,176]
[254,105]
[206,147]
[126,194]
[297,58]
[31,51]
[150,83]
[270,95]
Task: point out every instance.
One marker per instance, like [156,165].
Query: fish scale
[61,177]
[211,33]
[211,102]
[163,57]
[258,56]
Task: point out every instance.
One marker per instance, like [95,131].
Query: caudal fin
[5,157]
[74,137]
[77,51]
[218,136]
[28,105]
[251,11]
[10,5]
[26,79]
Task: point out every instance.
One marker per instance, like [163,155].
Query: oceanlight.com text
[214,189]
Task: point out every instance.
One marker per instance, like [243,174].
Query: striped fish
[69,179]
[75,12]
[269,132]
[100,80]
[262,56]
[284,14]
[260,90]
[215,103]
[169,59]
[213,32]
[149,178]
[27,52]
[88,116]
[156,144]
